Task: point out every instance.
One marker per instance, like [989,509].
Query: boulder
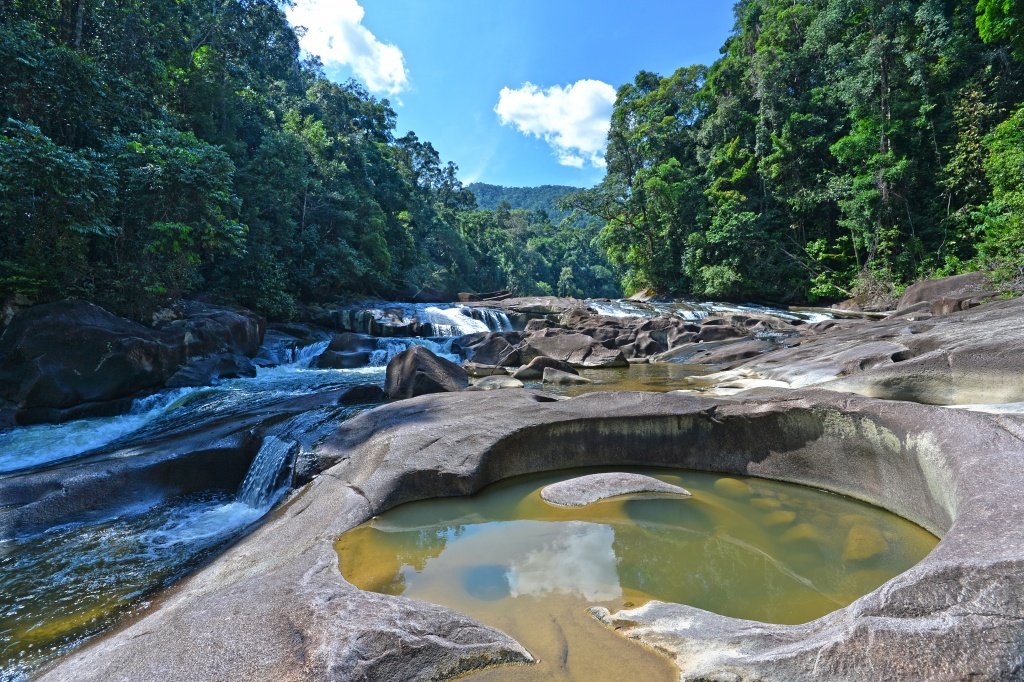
[584,490]
[967,357]
[957,287]
[330,359]
[560,378]
[476,370]
[716,332]
[63,354]
[576,349]
[204,329]
[535,369]
[278,592]
[347,342]
[492,383]
[363,393]
[600,357]
[75,355]
[205,371]
[416,371]
[494,350]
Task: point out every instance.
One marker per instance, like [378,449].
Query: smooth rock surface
[968,357]
[584,490]
[558,377]
[492,383]
[416,371]
[275,605]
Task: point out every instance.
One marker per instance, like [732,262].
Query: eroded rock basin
[741,547]
[276,606]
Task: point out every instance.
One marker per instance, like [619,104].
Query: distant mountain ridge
[542,198]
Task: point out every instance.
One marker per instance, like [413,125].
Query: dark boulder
[62,354]
[363,393]
[349,341]
[330,359]
[416,371]
[205,329]
[496,351]
[579,350]
[73,354]
[205,371]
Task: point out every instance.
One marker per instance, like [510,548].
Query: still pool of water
[742,547]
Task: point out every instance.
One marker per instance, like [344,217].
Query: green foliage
[1002,21]
[171,147]
[833,138]
[1002,244]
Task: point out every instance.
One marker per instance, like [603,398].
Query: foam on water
[694,310]
[32,446]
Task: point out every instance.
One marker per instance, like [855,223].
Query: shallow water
[651,377]
[61,587]
[741,547]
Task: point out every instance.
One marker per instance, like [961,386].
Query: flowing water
[71,582]
[697,310]
[746,548]
[59,587]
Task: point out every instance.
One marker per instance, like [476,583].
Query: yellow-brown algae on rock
[864,542]
[732,487]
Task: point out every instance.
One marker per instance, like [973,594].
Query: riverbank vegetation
[150,150]
[836,146]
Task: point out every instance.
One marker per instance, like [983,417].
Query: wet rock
[330,359]
[560,378]
[205,371]
[363,393]
[73,354]
[584,490]
[495,382]
[416,371]
[535,369]
[347,342]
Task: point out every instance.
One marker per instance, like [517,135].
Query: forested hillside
[542,198]
[837,147]
[150,150]
[179,147]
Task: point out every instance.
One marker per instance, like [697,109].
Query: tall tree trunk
[79,20]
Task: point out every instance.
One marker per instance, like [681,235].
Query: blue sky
[516,93]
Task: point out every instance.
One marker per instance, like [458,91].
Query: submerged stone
[732,487]
[584,490]
[864,542]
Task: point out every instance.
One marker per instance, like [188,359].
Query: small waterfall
[496,320]
[263,482]
[388,348]
[304,356]
[453,321]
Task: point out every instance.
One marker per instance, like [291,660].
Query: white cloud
[573,120]
[335,33]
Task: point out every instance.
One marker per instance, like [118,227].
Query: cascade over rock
[71,354]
